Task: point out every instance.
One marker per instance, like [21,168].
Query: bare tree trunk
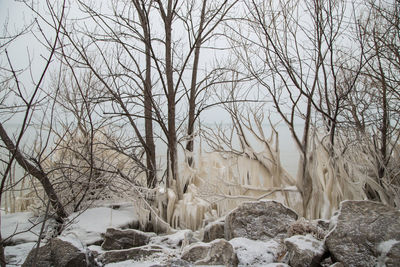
[192,98]
[382,161]
[148,100]
[305,180]
[173,179]
[148,107]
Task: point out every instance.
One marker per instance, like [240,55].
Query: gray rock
[137,254]
[58,253]
[304,250]
[260,220]
[366,234]
[217,252]
[123,239]
[323,224]
[214,230]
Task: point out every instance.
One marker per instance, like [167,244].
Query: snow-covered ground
[22,227]
[82,229]
[85,229]
[89,225]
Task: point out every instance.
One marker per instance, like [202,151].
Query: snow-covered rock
[58,253]
[276,264]
[322,223]
[174,263]
[256,252]
[365,233]
[260,220]
[389,253]
[89,226]
[175,240]
[304,250]
[304,227]
[136,254]
[123,239]
[216,252]
[134,263]
[214,230]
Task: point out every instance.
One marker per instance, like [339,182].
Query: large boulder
[365,234]
[256,252]
[217,252]
[304,250]
[214,230]
[136,254]
[262,220]
[58,253]
[123,239]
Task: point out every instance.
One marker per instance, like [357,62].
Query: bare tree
[146,71]
[375,103]
[299,53]
[27,98]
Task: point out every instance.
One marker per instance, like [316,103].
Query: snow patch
[384,248]
[89,225]
[307,242]
[173,240]
[22,226]
[95,248]
[334,221]
[73,241]
[16,255]
[255,252]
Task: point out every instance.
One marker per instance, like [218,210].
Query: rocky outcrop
[366,234]
[214,230]
[218,252]
[137,254]
[123,239]
[260,220]
[304,250]
[58,253]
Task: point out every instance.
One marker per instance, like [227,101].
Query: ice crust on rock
[261,220]
[304,250]
[361,231]
[255,252]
